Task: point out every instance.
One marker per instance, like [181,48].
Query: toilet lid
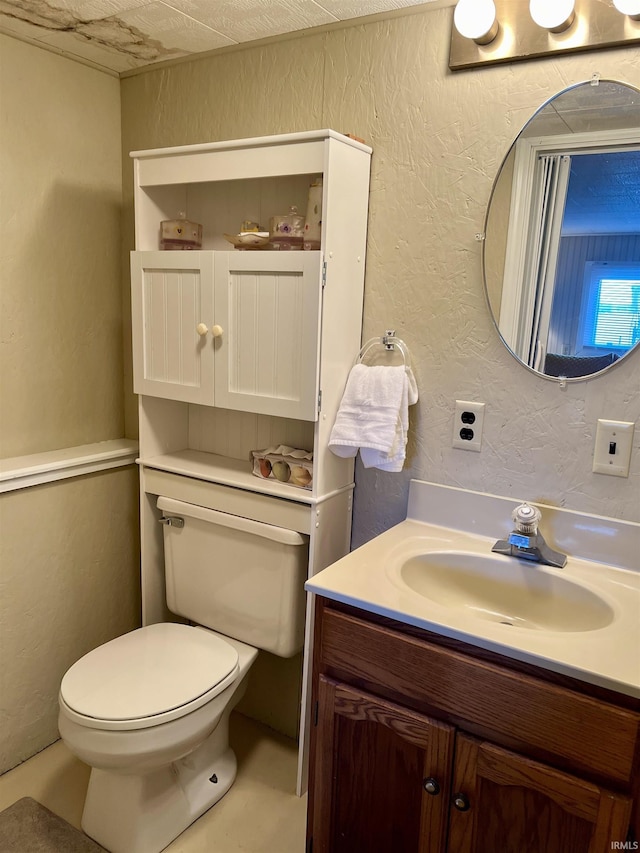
[142,675]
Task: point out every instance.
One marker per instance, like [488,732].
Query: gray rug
[28,827]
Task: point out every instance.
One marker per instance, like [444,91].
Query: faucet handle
[526,518]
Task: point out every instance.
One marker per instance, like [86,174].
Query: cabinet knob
[217,331]
[431,786]
[201,329]
[461,802]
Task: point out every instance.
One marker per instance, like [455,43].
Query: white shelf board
[20,472]
[224,470]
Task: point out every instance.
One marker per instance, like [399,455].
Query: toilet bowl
[149,711]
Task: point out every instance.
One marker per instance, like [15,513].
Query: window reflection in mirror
[562,248]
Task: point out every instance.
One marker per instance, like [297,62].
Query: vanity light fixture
[476,19]
[628,7]
[530,29]
[553,15]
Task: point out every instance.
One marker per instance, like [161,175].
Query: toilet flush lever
[172,521]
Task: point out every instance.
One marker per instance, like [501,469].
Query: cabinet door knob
[431,786]
[201,329]
[461,802]
[217,331]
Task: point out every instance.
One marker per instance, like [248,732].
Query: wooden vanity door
[372,761]
[503,801]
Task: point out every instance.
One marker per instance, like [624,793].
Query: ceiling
[603,194]
[119,36]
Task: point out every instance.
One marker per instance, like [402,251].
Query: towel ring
[390,342]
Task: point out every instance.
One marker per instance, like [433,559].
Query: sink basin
[506,591]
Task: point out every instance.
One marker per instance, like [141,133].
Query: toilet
[149,711]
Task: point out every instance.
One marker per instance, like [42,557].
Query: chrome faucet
[526,542]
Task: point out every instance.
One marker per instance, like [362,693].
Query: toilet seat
[147,677]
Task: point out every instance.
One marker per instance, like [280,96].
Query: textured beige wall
[438,141]
[60,206]
[69,553]
[70,581]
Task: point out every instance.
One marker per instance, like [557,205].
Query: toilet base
[143,814]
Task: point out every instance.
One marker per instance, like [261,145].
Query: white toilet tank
[237,576]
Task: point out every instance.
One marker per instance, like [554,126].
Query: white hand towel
[373,415]
[394,459]
[368,411]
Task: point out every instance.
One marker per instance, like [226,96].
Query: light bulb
[628,7]
[553,15]
[476,19]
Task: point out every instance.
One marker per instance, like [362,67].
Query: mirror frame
[511,150]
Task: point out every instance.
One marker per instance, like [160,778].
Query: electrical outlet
[467,425]
[612,451]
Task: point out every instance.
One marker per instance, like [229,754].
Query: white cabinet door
[172,301]
[269,305]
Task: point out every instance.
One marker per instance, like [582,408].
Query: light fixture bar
[596,25]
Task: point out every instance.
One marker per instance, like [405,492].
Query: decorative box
[180,234]
[286,231]
[285,464]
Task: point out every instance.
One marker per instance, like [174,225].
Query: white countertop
[370,578]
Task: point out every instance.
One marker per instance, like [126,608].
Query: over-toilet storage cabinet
[234,351]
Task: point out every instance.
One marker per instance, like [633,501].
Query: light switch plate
[612,451]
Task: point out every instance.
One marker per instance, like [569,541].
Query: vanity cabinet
[425,745]
[241,350]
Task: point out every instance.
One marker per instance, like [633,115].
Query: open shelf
[226,471]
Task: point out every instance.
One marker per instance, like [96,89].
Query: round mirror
[561,256]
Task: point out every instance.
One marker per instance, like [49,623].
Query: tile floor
[260,814]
